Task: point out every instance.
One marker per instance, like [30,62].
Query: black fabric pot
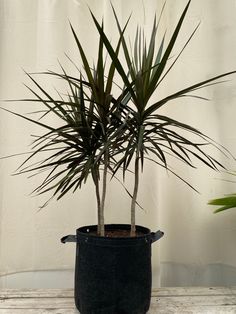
[113,275]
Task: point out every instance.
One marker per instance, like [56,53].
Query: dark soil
[118,233]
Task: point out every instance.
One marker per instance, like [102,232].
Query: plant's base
[111,311]
[119,233]
[113,273]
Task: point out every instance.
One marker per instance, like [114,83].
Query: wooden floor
[217,300]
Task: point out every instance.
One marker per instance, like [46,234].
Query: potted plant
[101,132]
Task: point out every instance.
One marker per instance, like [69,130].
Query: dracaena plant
[153,136]
[101,133]
[91,133]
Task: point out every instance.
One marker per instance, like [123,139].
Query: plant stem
[134,196]
[96,183]
[104,189]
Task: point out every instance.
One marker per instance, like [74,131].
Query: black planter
[113,275]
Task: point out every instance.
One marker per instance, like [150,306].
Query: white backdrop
[198,247]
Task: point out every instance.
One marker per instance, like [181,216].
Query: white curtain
[198,247]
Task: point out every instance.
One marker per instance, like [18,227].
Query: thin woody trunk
[104,188]
[134,197]
[96,182]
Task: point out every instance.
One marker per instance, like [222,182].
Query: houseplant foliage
[226,202]
[152,133]
[103,131]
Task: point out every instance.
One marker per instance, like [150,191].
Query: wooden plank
[68,303]
[36,293]
[194,300]
[36,303]
[191,291]
[39,311]
[190,310]
[156,310]
[165,291]
[207,301]
[178,300]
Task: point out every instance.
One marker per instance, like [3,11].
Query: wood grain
[178,300]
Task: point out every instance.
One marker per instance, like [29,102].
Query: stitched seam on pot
[114,241]
[116,244]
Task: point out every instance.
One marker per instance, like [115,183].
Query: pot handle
[156,235]
[69,238]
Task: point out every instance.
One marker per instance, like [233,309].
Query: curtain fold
[198,247]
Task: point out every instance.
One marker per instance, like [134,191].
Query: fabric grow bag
[113,275]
